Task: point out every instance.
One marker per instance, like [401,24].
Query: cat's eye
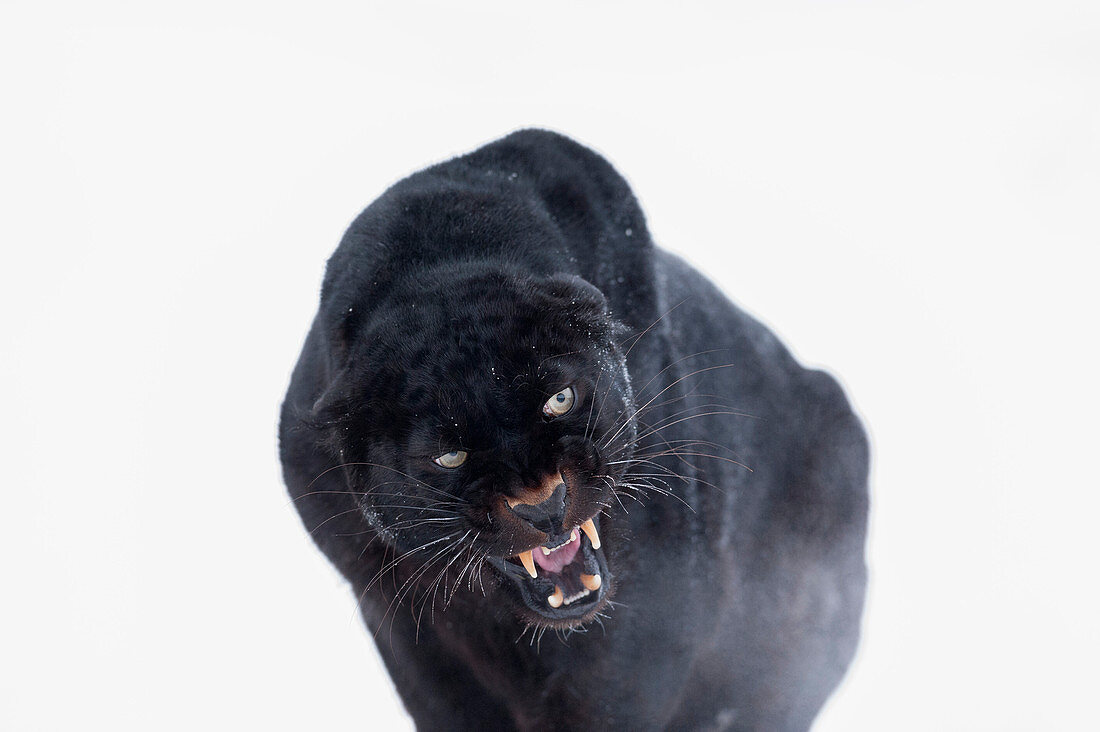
[450,459]
[560,403]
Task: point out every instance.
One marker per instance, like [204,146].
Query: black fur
[456,304]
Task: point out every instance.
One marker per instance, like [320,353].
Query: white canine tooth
[555,600]
[528,562]
[591,581]
[589,528]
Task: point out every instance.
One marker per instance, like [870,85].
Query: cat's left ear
[576,293]
[581,303]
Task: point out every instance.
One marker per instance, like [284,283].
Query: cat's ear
[339,338]
[575,293]
[583,303]
[331,407]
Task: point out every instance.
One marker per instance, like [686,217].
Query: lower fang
[556,599]
[591,581]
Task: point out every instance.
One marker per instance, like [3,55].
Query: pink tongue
[558,558]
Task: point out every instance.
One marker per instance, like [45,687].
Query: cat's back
[772,523]
[782,423]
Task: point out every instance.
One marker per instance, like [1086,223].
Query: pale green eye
[450,459]
[560,403]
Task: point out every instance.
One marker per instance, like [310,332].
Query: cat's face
[484,420]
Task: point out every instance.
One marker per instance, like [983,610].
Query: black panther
[571,484]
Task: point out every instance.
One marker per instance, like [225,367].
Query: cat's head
[484,416]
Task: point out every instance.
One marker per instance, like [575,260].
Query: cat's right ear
[334,336]
[339,336]
[324,420]
[331,396]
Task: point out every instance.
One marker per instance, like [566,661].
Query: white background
[906,191]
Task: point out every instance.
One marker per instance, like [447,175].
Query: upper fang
[528,562]
[589,528]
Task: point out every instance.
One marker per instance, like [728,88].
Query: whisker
[678,362]
[651,326]
[690,443]
[410,583]
[655,430]
[394,562]
[662,391]
[644,490]
[433,588]
[595,389]
[335,515]
[408,586]
[384,467]
[713,457]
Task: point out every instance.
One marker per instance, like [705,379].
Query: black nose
[546,516]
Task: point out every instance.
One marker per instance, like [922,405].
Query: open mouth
[566,578]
